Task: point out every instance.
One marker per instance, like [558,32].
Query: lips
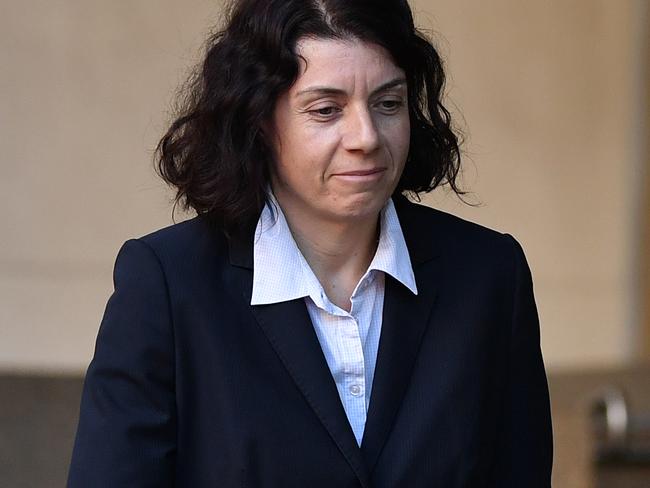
[362,172]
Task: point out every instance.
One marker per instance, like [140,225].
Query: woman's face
[342,132]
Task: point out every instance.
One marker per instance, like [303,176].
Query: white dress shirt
[349,340]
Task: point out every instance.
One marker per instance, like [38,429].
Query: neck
[338,252]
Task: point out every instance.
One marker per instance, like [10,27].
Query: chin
[363,206]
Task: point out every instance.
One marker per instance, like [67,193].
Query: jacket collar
[405,319]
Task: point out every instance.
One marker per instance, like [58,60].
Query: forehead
[342,63]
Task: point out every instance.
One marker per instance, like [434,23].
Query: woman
[312,327]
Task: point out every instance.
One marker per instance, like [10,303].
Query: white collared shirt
[349,340]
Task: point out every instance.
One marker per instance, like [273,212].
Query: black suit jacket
[192,386]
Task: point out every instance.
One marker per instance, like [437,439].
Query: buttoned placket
[349,338]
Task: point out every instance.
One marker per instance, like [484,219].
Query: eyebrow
[326,90]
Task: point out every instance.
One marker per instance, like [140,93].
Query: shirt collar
[281,273]
[392,255]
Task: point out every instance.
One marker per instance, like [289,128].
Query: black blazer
[192,386]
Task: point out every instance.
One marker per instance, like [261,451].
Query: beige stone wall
[549,92]
[81,108]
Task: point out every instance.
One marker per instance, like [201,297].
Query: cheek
[399,138]
[301,163]
[316,148]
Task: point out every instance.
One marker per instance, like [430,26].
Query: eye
[324,112]
[390,106]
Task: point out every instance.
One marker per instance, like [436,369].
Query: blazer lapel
[288,327]
[405,320]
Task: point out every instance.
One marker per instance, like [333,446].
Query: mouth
[364,172]
[362,175]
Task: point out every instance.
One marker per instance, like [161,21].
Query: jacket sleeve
[524,455]
[126,434]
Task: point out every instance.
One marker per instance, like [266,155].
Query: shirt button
[355,390]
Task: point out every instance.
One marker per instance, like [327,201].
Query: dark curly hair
[215,152]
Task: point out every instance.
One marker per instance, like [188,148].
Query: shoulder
[431,218]
[183,250]
[470,253]
[192,237]
[426,227]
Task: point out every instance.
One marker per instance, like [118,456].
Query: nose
[360,131]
